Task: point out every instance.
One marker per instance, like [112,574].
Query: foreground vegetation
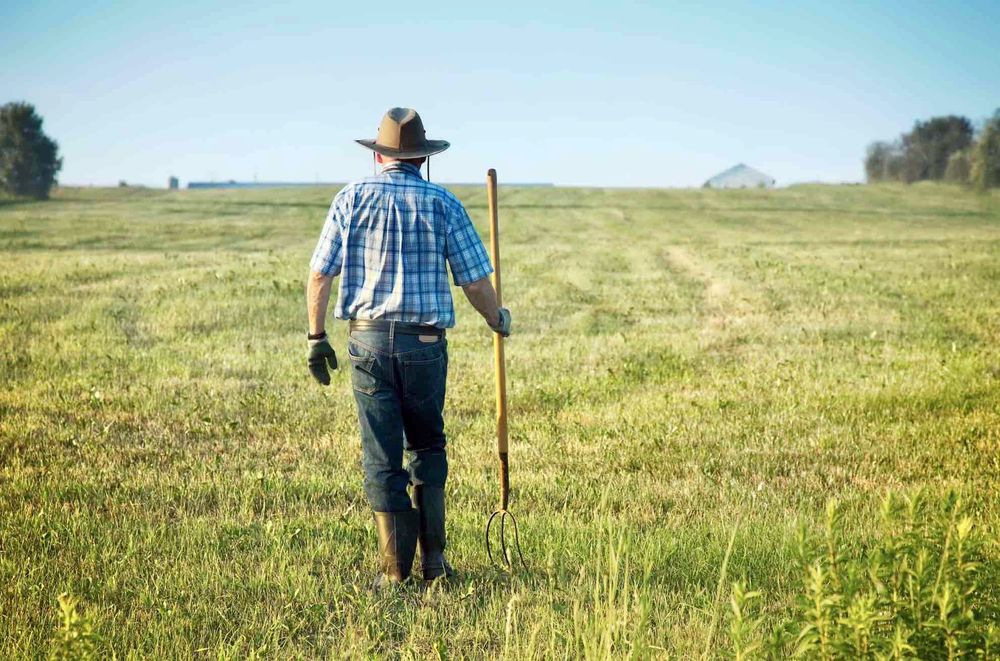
[712,396]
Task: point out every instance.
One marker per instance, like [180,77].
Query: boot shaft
[430,504]
[397,542]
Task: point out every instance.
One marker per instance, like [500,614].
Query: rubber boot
[397,544]
[429,502]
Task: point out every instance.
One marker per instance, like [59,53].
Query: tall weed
[75,639]
[926,589]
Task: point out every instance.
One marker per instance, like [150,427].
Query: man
[389,237]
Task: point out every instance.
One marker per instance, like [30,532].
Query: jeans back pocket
[363,376]
[424,376]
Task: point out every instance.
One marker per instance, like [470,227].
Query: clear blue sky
[624,94]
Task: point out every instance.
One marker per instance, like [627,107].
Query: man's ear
[378,158]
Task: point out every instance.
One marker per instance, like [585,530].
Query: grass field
[688,369]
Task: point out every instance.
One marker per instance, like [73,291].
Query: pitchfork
[501,516]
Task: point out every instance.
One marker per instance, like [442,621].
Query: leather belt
[396,327]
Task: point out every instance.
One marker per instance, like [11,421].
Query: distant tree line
[940,149]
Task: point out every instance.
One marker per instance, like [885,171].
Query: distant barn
[740,176]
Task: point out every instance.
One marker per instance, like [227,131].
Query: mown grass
[688,368]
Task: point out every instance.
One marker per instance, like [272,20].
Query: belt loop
[392,337]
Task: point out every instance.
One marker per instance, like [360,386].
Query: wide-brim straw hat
[401,135]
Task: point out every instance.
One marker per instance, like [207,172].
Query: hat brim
[429,148]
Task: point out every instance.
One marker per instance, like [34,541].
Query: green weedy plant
[744,627]
[922,592]
[75,639]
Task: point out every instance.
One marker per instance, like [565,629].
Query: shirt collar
[400,166]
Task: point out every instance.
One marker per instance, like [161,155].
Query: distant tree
[894,169]
[29,159]
[884,162]
[930,144]
[959,167]
[876,158]
[986,155]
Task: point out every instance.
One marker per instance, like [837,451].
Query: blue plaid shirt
[390,236]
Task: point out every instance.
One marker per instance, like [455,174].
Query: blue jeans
[399,386]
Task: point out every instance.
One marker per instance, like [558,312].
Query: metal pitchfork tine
[501,516]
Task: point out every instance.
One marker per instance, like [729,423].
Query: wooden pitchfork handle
[498,357]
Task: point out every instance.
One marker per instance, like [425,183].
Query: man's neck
[400,164]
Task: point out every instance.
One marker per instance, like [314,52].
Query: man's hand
[484,298]
[321,353]
[503,322]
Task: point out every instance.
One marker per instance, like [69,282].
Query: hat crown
[401,129]
[401,135]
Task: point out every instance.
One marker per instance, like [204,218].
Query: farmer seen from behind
[391,238]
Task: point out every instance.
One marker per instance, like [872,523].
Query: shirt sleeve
[328,257]
[464,249]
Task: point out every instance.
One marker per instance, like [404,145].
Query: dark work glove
[321,353]
[503,325]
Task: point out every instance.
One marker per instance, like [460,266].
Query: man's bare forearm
[484,298]
[317,299]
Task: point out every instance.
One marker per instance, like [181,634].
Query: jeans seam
[441,344]
[422,362]
[369,347]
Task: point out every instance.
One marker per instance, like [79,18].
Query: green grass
[688,368]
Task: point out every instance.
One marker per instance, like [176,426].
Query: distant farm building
[173,183]
[740,176]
